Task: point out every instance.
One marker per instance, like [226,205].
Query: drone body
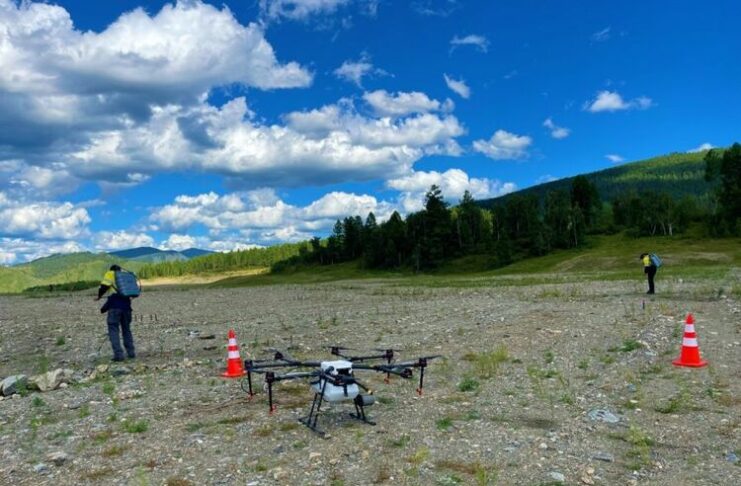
[328,390]
[334,381]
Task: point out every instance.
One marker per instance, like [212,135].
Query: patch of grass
[97,474]
[486,364]
[102,436]
[109,387]
[640,451]
[583,364]
[473,415]
[264,431]
[42,364]
[194,426]
[137,427]
[419,456]
[299,444]
[630,345]
[173,481]
[468,384]
[112,417]
[287,426]
[481,474]
[548,356]
[678,403]
[606,359]
[401,442]
[114,450]
[444,423]
[84,411]
[37,402]
[61,341]
[232,420]
[385,400]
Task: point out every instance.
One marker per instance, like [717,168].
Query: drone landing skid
[360,402]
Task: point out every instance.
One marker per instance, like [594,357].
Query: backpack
[127,284]
[655,260]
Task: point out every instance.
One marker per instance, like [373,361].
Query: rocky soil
[540,384]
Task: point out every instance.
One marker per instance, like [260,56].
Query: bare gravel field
[567,383]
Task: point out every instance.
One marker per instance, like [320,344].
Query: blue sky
[225,125]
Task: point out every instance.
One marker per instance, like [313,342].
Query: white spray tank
[334,393]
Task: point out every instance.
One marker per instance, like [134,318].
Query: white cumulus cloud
[504,145]
[479,41]
[299,9]
[403,103]
[453,183]
[355,71]
[702,147]
[615,158]
[120,240]
[458,86]
[556,131]
[43,220]
[612,101]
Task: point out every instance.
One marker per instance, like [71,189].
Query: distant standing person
[650,270]
[118,307]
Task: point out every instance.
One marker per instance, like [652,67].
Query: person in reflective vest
[118,308]
[650,270]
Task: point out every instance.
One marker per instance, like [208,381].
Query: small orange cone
[234,366]
[690,355]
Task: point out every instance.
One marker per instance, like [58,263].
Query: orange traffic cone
[690,355]
[234,365]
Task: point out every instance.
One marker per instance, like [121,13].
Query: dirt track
[569,349]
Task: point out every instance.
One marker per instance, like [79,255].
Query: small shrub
[444,423]
[630,345]
[37,402]
[468,384]
[60,341]
[137,427]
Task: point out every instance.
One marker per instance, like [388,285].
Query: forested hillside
[677,174]
[223,262]
[57,269]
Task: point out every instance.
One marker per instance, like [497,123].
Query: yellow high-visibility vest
[646,261]
[109,279]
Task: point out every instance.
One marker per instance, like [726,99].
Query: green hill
[57,269]
[677,174]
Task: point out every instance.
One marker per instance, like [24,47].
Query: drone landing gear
[311,419]
[360,402]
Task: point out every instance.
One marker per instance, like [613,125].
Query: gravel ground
[509,404]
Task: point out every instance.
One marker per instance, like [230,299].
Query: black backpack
[127,283]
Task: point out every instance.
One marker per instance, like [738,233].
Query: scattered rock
[557,476]
[604,456]
[314,455]
[601,415]
[51,380]
[120,371]
[732,458]
[13,384]
[41,468]
[58,458]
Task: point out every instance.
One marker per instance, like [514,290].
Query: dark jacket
[116,301]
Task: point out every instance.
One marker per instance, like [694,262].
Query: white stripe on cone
[689,342]
[232,341]
[233,355]
[689,328]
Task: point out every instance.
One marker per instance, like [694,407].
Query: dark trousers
[118,318]
[650,272]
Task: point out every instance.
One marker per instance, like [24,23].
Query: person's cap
[115,268]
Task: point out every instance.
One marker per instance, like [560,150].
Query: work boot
[117,359]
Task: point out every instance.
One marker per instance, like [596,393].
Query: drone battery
[334,393]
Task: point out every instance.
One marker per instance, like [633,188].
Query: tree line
[508,229]
[524,225]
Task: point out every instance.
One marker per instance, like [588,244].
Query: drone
[334,381]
